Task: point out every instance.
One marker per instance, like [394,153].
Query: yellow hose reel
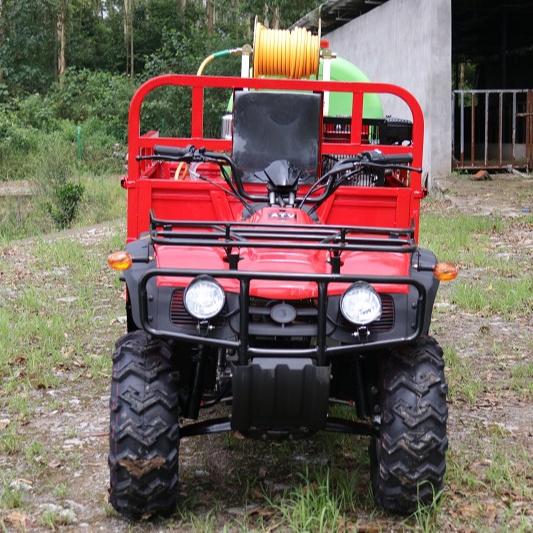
[292,54]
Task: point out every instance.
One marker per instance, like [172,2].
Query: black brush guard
[233,236]
[320,353]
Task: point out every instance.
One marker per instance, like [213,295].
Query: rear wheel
[144,429]
[408,459]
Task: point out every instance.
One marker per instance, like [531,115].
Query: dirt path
[223,479]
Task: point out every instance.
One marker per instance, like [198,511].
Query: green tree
[94,38]
[27,50]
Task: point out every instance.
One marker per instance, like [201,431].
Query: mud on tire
[144,429]
[408,459]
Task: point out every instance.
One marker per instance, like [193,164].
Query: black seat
[268,126]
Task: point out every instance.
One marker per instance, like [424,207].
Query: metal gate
[492,129]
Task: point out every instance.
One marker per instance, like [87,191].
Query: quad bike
[277,270]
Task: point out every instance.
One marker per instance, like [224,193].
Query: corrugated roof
[480,28]
[335,13]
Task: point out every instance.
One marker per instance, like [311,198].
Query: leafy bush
[16,142]
[15,136]
[55,186]
[23,144]
[67,197]
[85,95]
[102,153]
[35,111]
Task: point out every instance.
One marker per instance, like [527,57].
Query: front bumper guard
[320,353]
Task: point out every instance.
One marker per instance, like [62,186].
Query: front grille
[386,321]
[179,316]
[261,323]
[306,311]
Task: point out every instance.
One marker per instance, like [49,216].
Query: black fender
[422,264]
[142,252]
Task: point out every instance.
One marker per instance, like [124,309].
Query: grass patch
[462,238]
[11,493]
[464,381]
[52,518]
[205,523]
[426,516]
[47,321]
[499,282]
[314,505]
[498,296]
[488,480]
[508,471]
[103,199]
[459,473]
[10,441]
[522,379]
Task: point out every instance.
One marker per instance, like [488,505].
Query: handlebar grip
[377,156]
[172,151]
[398,159]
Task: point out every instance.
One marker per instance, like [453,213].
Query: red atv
[277,271]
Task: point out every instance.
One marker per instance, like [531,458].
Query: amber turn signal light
[120,260]
[445,271]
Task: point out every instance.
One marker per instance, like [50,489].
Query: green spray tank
[339,104]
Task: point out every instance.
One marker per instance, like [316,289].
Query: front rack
[229,235]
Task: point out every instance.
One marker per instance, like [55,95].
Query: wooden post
[529,129]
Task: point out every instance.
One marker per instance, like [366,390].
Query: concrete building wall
[408,43]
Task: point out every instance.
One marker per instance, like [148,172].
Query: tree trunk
[235,9]
[128,35]
[210,15]
[126,26]
[181,5]
[249,31]
[266,22]
[62,30]
[276,19]
[131,47]
[462,69]
[1,37]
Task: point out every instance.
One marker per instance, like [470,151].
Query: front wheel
[408,459]
[144,427]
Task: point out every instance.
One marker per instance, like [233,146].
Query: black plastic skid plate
[274,395]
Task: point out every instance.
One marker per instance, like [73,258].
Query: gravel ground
[222,479]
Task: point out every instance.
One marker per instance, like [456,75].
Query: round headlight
[204,298]
[361,304]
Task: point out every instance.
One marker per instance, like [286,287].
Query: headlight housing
[361,304]
[204,298]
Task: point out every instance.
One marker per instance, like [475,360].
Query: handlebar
[330,181]
[173,151]
[376,156]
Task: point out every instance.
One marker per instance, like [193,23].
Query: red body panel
[287,261]
[173,194]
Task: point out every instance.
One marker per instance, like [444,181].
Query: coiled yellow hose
[290,54]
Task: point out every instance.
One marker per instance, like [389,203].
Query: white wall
[408,43]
